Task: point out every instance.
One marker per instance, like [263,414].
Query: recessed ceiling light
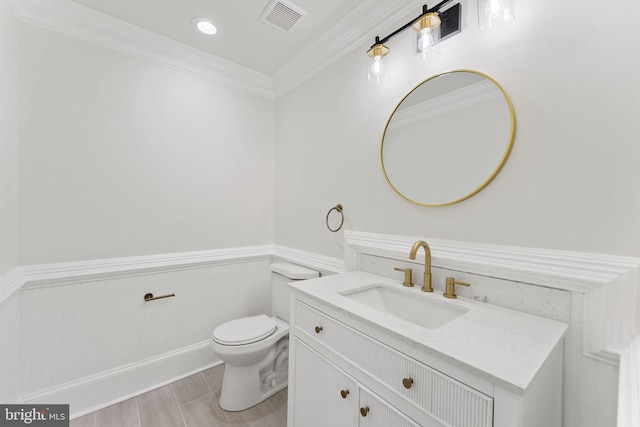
[204,25]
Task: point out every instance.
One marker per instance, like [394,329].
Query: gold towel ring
[337,208]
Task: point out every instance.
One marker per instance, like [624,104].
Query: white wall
[571,182]
[121,156]
[9,113]
[93,340]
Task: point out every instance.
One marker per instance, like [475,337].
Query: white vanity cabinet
[385,387]
[334,353]
[327,396]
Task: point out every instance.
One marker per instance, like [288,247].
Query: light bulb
[207,27]
[495,14]
[493,9]
[204,25]
[425,39]
[376,67]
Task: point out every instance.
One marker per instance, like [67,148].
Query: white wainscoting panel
[10,350]
[82,328]
[81,333]
[629,396]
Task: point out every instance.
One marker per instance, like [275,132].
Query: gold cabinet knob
[318,329]
[407,382]
[344,393]
[364,411]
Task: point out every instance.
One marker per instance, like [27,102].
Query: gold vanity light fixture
[431,27]
[426,36]
[376,71]
[495,14]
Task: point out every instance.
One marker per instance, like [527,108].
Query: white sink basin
[411,306]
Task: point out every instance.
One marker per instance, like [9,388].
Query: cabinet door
[323,395]
[376,413]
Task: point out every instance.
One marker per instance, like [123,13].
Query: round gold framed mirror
[448,138]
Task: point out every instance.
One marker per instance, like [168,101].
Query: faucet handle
[407,275]
[450,291]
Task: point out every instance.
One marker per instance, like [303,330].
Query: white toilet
[256,349]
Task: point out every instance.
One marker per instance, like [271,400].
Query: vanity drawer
[439,395]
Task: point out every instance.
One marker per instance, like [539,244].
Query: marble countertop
[505,346]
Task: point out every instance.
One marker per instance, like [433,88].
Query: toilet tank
[281,274]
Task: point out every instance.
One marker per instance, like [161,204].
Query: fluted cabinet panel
[79,329]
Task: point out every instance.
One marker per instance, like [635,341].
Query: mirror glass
[448,138]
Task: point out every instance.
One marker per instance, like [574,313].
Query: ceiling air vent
[282,14]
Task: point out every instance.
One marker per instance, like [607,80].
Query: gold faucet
[426,286]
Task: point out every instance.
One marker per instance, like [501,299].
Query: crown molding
[351,32]
[73,19]
[86,24]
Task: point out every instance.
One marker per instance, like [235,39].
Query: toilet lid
[245,330]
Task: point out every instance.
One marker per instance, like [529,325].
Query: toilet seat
[246,330]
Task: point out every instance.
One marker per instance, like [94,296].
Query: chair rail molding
[609,283]
[310,259]
[43,275]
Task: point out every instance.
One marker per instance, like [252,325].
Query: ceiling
[246,53]
[242,38]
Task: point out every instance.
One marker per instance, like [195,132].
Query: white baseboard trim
[106,388]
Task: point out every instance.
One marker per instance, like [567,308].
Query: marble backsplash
[529,298]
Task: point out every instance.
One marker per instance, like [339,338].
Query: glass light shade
[426,37]
[495,14]
[376,70]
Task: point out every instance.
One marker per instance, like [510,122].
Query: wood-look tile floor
[190,402]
